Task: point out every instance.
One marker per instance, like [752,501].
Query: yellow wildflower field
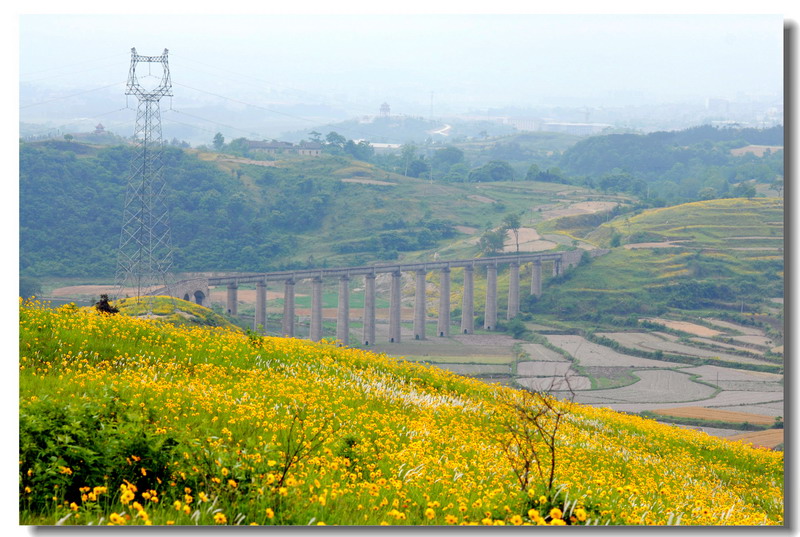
[132,422]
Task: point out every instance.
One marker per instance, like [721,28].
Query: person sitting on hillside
[104,307]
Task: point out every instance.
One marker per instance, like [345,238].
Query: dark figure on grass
[104,307]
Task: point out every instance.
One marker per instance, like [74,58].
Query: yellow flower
[430,513]
[220,518]
[270,513]
[450,519]
[116,519]
[555,513]
[516,520]
[580,514]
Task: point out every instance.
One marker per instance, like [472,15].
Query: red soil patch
[768,439]
[715,414]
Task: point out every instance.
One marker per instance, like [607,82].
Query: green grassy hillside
[237,214]
[717,254]
[125,421]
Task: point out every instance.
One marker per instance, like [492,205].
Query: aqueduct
[197,290]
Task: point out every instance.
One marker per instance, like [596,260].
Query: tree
[533,173]
[408,153]
[492,241]
[417,168]
[494,170]
[335,139]
[219,141]
[316,136]
[446,157]
[512,222]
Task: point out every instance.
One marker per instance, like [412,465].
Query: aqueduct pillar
[233,299]
[419,305]
[394,308]
[343,311]
[315,333]
[490,310]
[288,308]
[513,290]
[443,327]
[261,306]
[369,309]
[467,304]
[536,278]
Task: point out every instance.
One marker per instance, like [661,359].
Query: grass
[648,280]
[131,421]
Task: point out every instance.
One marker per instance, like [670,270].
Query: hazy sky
[464,60]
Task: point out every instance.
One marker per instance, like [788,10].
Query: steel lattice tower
[145,250]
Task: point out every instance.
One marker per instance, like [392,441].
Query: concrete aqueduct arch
[197,290]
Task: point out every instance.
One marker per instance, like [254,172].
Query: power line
[270,83]
[293,116]
[210,121]
[115,57]
[70,96]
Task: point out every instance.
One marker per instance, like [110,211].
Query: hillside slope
[236,214]
[130,422]
[722,254]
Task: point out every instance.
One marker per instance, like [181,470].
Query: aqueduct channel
[197,290]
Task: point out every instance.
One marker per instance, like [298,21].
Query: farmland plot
[769,438]
[715,414]
[767,403]
[773,409]
[655,386]
[684,326]
[543,369]
[720,344]
[591,354]
[476,370]
[761,341]
[746,330]
[649,342]
[540,353]
[555,384]
[713,373]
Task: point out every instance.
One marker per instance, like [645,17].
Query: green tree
[335,139]
[492,241]
[408,153]
[446,157]
[219,141]
[513,222]
[494,170]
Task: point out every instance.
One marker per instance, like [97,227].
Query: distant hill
[239,214]
[680,166]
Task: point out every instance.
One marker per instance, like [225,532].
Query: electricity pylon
[145,250]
